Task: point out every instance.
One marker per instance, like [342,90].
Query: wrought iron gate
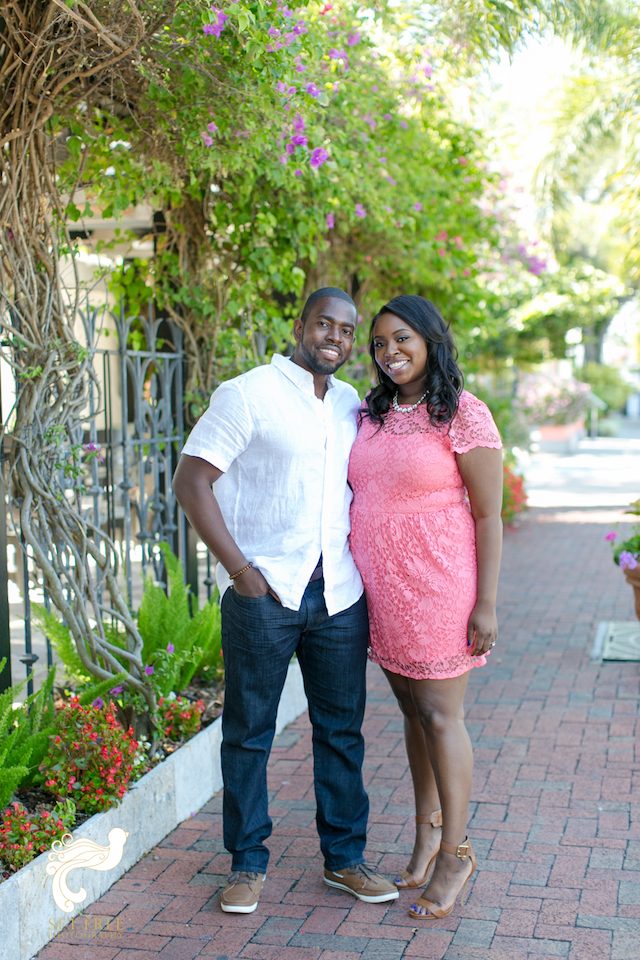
[137,425]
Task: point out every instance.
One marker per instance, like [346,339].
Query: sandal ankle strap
[435,818]
[462,850]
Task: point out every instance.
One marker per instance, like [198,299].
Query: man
[275,444]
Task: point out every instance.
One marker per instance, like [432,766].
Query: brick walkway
[555,813]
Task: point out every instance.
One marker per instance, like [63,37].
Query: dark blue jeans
[259,637]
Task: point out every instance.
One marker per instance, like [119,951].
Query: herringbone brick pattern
[555,815]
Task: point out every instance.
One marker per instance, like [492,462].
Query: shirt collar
[297,374]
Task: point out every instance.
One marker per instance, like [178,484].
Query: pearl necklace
[413,406]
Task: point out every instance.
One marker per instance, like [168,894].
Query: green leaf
[73,213]
[74,146]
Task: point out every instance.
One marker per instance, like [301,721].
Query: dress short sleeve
[473,426]
[224,431]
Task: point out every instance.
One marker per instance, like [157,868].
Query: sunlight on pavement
[603,473]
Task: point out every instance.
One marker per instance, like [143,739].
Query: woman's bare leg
[424,783]
[439,705]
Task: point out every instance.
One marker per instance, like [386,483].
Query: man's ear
[298,327]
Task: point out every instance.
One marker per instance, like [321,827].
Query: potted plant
[627,553]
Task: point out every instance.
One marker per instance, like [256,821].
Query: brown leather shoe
[362,882]
[242,892]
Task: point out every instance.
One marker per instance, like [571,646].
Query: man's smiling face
[324,341]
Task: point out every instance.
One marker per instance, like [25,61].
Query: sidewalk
[555,817]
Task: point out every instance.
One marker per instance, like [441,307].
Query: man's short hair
[322,294]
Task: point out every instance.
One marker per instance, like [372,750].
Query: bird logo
[69,854]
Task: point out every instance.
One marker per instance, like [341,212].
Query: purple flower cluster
[318,157]
[627,560]
[216,28]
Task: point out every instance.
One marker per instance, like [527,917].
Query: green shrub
[176,644]
[606,383]
[24,735]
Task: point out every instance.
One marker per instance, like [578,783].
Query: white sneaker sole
[379,898]
[229,908]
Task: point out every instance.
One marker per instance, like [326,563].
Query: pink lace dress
[413,537]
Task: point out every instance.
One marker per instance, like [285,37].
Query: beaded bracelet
[240,572]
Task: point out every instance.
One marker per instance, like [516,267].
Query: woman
[426,535]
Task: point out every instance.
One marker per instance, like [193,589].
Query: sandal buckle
[463,850]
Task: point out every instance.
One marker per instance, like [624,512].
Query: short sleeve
[224,431]
[473,426]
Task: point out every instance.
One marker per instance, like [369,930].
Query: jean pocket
[251,600]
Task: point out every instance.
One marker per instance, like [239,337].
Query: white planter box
[155,805]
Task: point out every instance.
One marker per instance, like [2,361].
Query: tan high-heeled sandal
[410,882]
[464,851]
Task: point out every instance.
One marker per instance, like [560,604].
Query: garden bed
[167,795]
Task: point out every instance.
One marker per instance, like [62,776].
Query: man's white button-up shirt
[284,494]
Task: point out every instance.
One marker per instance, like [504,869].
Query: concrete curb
[156,804]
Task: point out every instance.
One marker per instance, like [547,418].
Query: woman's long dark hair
[443,380]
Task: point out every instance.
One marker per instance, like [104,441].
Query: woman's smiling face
[400,352]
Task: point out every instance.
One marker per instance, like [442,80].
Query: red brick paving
[555,814]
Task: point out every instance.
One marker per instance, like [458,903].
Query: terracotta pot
[633,577]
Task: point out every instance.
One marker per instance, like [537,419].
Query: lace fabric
[413,537]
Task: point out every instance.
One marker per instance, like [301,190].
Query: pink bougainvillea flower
[298,123]
[627,560]
[208,141]
[389,209]
[337,54]
[298,173]
[331,221]
[458,242]
[299,141]
[388,116]
[273,32]
[391,181]
[170,648]
[382,159]
[611,535]
[374,89]
[312,90]
[291,91]
[290,148]
[441,252]
[417,206]
[428,71]
[284,158]
[281,87]
[149,671]
[116,690]
[463,161]
[327,7]
[404,124]
[466,273]
[289,38]
[300,68]
[286,12]
[300,28]
[360,211]
[442,235]
[353,39]
[98,702]
[212,127]
[318,157]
